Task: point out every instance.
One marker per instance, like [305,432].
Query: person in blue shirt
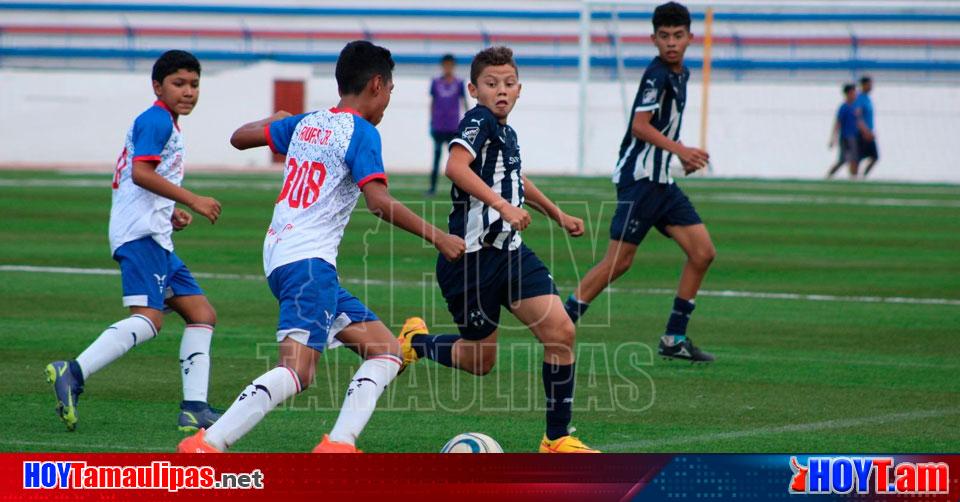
[867,140]
[845,128]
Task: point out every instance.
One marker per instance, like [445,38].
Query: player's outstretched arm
[385,207]
[252,135]
[145,176]
[542,203]
[834,134]
[459,172]
[692,158]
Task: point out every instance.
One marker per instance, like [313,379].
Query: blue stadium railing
[127,51]
[812,17]
[534,61]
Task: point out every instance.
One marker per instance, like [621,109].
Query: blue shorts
[151,274]
[313,306]
[646,204]
[477,285]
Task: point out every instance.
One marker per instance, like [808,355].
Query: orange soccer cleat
[328,446]
[196,444]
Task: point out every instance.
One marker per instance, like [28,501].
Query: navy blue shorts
[150,274]
[477,285]
[867,149]
[313,306]
[646,204]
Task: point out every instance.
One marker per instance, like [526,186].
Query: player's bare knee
[392,346]
[560,334]
[703,256]
[206,315]
[210,316]
[558,343]
[485,365]
[154,316]
[476,359]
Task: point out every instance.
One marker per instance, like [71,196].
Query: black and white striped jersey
[664,93]
[497,162]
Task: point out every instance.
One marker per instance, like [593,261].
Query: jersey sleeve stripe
[372,177]
[147,158]
[463,143]
[270,143]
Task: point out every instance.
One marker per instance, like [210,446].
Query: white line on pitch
[735,198]
[840,423]
[642,291]
[559,181]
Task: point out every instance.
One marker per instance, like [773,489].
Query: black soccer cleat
[684,350]
[196,417]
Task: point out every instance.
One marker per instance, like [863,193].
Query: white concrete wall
[776,130]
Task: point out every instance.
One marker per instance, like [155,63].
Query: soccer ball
[472,442]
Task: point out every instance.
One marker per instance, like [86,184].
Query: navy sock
[558,386]
[575,308]
[76,371]
[436,347]
[677,325]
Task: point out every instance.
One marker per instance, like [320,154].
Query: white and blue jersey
[137,212]
[496,161]
[331,155]
[140,227]
[664,93]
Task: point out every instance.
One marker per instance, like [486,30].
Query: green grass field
[833,309]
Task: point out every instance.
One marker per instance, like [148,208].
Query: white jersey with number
[136,212]
[331,155]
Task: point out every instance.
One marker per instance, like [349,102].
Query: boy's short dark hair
[173,61]
[448,57]
[866,79]
[849,87]
[671,14]
[491,56]
[360,61]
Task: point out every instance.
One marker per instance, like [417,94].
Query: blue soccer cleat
[196,415]
[68,387]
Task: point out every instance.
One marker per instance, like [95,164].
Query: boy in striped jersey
[497,270]
[646,192]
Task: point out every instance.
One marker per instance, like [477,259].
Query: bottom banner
[291,477]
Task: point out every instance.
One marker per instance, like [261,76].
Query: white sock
[114,342]
[368,383]
[261,396]
[195,361]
